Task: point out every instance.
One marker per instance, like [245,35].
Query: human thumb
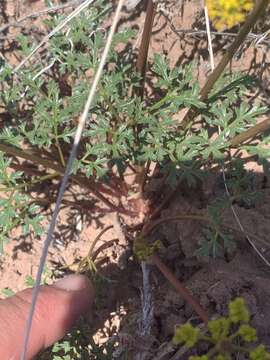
[58,307]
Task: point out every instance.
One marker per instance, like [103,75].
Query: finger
[58,308]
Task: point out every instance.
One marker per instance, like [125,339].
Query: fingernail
[72,283]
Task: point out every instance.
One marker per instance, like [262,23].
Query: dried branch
[143,51]
[52,9]
[250,133]
[258,10]
[251,37]
[141,66]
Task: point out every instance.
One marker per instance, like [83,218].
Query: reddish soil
[119,283]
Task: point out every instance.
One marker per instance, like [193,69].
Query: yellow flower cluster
[227,13]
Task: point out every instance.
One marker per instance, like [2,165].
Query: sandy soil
[214,282]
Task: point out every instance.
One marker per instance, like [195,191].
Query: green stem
[80,180]
[150,227]
[61,156]
[207,339]
[28,184]
[236,348]
[156,106]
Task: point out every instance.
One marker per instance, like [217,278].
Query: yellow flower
[238,311]
[227,13]
[186,334]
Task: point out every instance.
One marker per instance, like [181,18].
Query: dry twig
[259,8]
[234,211]
[52,9]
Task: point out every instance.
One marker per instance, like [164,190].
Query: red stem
[180,288]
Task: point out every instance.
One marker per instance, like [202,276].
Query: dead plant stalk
[258,10]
